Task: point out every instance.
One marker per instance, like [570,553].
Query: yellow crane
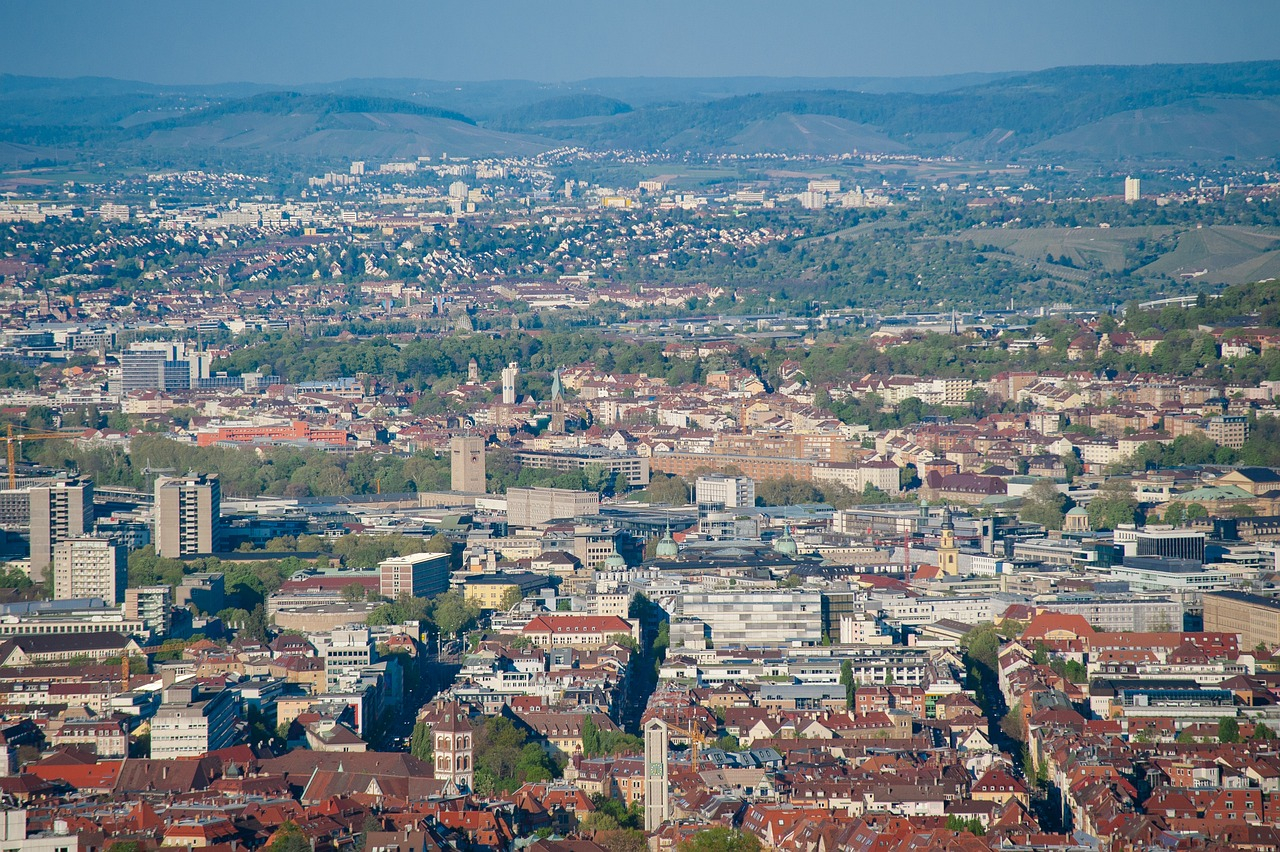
[12,440]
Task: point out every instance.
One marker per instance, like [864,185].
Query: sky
[286,41]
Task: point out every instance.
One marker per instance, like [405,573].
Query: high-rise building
[466,464]
[188,514]
[151,605]
[1132,189]
[657,792]
[509,374]
[89,567]
[58,511]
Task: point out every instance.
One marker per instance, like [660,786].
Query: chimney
[124,673]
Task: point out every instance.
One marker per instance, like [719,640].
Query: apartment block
[188,514]
[89,567]
[58,511]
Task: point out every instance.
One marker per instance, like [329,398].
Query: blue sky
[286,41]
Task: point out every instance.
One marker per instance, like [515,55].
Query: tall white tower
[509,374]
[657,792]
[1132,189]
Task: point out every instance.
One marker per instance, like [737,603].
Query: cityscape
[683,462]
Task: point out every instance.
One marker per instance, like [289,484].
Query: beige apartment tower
[89,567]
[188,514]
[466,464]
[58,512]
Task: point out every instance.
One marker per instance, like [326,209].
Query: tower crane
[11,440]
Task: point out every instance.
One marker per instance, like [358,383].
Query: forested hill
[1008,115]
[1180,113]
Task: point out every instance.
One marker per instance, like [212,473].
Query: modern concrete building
[757,618]
[1256,618]
[1119,613]
[719,493]
[152,606]
[421,575]
[347,651]
[531,507]
[58,511]
[635,469]
[89,567]
[467,464]
[188,515]
[190,723]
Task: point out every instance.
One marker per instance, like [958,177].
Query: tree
[421,744]
[982,643]
[1114,505]
[973,825]
[621,840]
[289,838]
[1044,505]
[510,598]
[255,626]
[846,680]
[720,839]
[453,614]
[1175,513]
[1228,730]
[1196,512]
[353,592]
[1013,724]
[1262,732]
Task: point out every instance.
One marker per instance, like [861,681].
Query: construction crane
[11,439]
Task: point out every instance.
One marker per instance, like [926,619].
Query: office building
[58,511]
[191,723]
[1256,618]
[530,507]
[163,366]
[757,618]
[152,605]
[421,575]
[89,567]
[188,514]
[634,469]
[204,590]
[1118,613]
[719,493]
[347,652]
[467,464]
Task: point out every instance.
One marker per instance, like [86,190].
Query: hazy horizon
[181,42]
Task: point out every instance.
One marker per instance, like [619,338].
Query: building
[1228,430]
[720,493]
[14,836]
[204,590]
[1256,618]
[1119,613]
[1167,575]
[421,575]
[451,749]
[467,464]
[348,651]
[757,618]
[509,374]
[635,469]
[58,511]
[152,605]
[89,567]
[531,507]
[577,631]
[948,551]
[1132,189]
[187,515]
[190,723]
[498,591]
[657,790]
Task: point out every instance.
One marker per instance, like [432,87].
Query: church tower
[451,741]
[948,553]
[557,405]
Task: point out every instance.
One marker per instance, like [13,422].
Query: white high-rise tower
[657,792]
[1132,189]
[509,374]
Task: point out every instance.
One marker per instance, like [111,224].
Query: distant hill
[1177,113]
